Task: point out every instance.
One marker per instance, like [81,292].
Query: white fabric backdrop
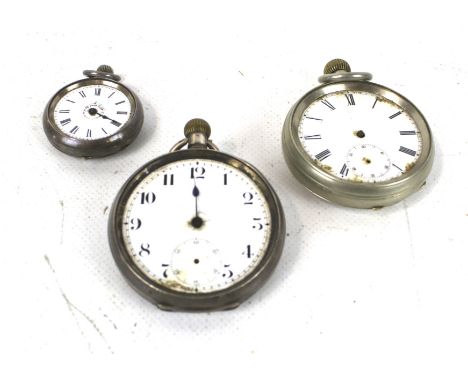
[358,295]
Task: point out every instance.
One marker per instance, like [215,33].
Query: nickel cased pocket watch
[93,117]
[196,229]
[356,143]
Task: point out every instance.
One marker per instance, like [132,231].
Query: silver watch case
[99,147]
[171,300]
[345,192]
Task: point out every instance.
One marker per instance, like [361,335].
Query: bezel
[344,191]
[169,299]
[98,147]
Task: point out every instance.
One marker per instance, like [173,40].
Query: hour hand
[93,111]
[196,222]
[113,121]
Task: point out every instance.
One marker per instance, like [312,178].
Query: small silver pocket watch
[357,143]
[196,229]
[93,117]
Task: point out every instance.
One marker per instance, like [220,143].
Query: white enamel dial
[92,112]
[196,225]
[358,136]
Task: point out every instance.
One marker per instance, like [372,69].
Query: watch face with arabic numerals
[196,225]
[360,136]
[196,230]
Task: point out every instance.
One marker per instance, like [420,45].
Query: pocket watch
[356,143]
[93,117]
[196,229]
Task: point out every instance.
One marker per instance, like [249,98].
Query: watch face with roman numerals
[196,225]
[92,112]
[359,136]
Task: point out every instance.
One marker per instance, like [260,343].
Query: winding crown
[197,125]
[335,65]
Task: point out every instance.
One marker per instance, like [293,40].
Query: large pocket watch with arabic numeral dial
[93,117]
[357,143]
[196,229]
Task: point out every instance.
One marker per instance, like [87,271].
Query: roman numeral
[225,179]
[407,132]
[97,91]
[69,100]
[64,111]
[122,112]
[344,170]
[323,155]
[82,93]
[105,132]
[116,123]
[168,180]
[315,136]
[88,134]
[118,103]
[316,119]
[328,104]
[65,121]
[407,151]
[74,130]
[350,99]
[395,115]
[111,94]
[376,99]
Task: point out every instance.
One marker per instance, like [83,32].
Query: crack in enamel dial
[360,136]
[196,225]
[92,112]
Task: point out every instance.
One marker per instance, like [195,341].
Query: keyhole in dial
[196,261]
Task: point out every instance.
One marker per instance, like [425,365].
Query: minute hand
[110,119]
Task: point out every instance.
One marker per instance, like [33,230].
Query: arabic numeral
[147,197]
[135,224]
[248,197]
[144,251]
[248,252]
[165,266]
[257,225]
[168,179]
[197,173]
